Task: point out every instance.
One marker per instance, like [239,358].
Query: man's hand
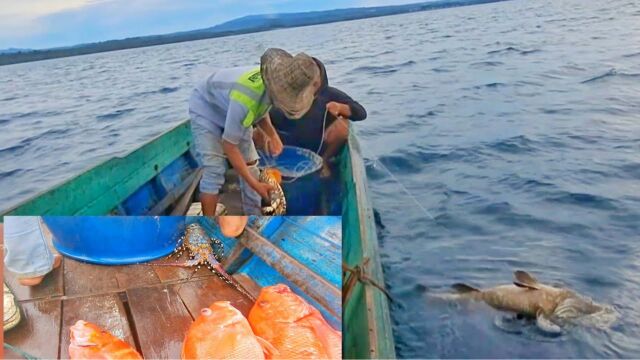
[338,109]
[263,189]
[275,146]
[272,142]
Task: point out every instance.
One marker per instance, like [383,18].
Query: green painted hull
[367,327]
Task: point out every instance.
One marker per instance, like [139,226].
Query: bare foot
[33,281]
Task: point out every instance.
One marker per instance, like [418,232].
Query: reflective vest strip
[249,90]
[251,105]
[252,80]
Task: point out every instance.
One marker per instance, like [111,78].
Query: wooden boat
[160,178]
[152,306]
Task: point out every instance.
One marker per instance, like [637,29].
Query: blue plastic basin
[115,240]
[301,181]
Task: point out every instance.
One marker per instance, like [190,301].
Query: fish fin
[519,284]
[547,325]
[324,332]
[524,279]
[267,348]
[463,288]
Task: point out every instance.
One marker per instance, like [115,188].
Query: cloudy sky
[49,23]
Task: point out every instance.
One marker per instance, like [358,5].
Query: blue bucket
[301,181]
[115,240]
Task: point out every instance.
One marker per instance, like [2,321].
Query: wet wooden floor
[150,307]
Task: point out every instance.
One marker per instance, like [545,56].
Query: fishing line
[415,200]
[303,167]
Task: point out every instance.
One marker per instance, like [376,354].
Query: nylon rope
[20,352]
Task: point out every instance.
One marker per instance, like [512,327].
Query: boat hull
[367,323]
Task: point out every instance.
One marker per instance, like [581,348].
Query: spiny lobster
[278,203]
[204,250]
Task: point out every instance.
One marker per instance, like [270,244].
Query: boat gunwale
[381,343]
[93,167]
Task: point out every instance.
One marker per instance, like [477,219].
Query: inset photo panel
[172,287]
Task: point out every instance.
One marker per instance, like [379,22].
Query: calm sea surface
[515,125]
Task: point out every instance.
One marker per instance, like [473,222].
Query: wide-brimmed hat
[289,80]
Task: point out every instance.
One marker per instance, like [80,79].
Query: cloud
[51,23]
[32,9]
[21,18]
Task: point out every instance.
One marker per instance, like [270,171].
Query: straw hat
[289,80]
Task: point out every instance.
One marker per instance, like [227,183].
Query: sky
[39,24]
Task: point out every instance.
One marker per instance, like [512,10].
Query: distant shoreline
[242,26]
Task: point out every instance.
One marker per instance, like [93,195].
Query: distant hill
[243,25]
[13,50]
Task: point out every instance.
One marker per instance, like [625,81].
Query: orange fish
[222,332]
[89,341]
[296,329]
[275,174]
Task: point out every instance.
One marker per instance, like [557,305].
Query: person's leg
[208,145]
[209,203]
[27,250]
[232,226]
[335,137]
[251,200]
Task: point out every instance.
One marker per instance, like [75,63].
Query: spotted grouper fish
[222,332]
[296,329]
[551,306]
[89,341]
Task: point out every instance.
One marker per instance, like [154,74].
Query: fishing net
[294,162]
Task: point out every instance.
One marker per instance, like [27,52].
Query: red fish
[296,329]
[222,332]
[89,341]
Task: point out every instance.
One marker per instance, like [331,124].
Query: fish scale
[222,332]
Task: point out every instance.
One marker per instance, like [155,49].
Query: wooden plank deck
[150,307]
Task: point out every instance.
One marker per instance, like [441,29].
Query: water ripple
[611,74]
[383,69]
[114,114]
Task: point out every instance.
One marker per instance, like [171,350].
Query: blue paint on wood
[315,242]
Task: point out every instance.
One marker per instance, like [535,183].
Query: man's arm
[348,107]
[238,162]
[234,132]
[275,143]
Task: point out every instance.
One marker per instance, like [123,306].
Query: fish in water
[295,328]
[222,332]
[89,341]
[551,306]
